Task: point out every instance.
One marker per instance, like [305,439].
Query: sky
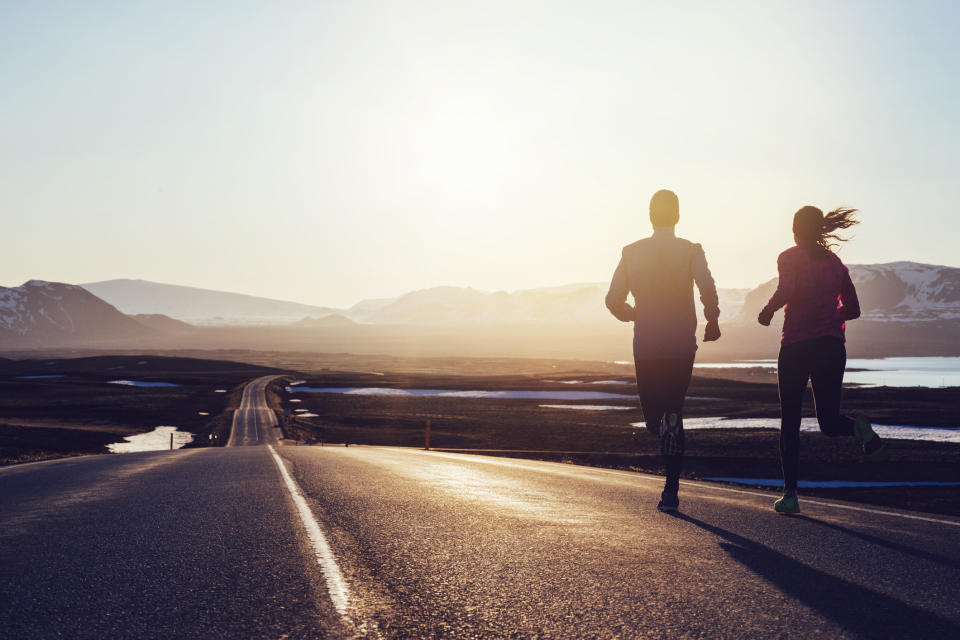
[327,152]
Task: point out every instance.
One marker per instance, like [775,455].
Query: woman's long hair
[814,229]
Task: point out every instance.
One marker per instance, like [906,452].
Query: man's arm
[617,295]
[708,294]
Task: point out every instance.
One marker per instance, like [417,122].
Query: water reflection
[156,440]
[454,393]
[901,432]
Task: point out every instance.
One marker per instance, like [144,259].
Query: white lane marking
[336,585]
[698,485]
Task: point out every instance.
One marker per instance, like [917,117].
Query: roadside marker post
[171,441]
[426,437]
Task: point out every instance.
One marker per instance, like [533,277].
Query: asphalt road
[254,423]
[387,542]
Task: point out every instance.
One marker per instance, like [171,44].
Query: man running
[660,272]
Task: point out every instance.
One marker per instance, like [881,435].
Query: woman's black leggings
[822,361]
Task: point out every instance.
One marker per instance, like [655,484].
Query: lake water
[456,393]
[834,484]
[592,381]
[453,393]
[890,372]
[140,383]
[588,407]
[156,440]
[902,432]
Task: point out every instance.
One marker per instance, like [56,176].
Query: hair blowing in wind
[813,228]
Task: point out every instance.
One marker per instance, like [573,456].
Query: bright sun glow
[498,145]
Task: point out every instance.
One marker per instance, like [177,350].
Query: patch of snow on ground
[307,415]
[156,440]
[220,391]
[202,413]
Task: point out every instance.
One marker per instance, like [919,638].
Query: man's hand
[712,332]
[765,317]
[625,313]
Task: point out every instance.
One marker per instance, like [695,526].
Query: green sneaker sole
[787,506]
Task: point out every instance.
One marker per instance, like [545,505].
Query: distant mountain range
[566,321]
[897,291]
[200,306]
[568,304]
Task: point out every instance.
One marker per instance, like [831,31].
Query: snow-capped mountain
[40,313]
[892,292]
[908,291]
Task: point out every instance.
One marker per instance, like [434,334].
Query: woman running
[819,296]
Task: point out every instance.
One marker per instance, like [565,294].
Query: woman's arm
[849,303]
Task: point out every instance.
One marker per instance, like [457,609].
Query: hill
[46,314]
[330,321]
[162,323]
[200,306]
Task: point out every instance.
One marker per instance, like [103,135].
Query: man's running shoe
[669,502]
[788,504]
[670,428]
[870,442]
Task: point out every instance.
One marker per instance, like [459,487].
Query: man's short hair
[664,208]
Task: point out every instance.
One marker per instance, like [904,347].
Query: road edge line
[336,585]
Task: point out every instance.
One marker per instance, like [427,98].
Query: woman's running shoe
[788,504]
[870,442]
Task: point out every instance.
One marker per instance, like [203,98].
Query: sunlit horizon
[327,154]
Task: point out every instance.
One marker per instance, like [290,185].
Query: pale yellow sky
[331,152]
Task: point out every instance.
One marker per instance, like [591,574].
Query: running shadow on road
[896,546]
[860,611]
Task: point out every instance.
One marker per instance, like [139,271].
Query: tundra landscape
[459,320]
